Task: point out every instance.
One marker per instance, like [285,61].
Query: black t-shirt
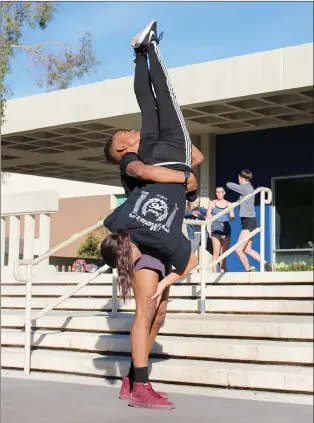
[153,216]
[129,182]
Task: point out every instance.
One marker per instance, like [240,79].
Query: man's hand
[192,183]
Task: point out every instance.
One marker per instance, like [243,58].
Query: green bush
[294,266]
[89,248]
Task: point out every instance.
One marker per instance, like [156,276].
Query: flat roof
[244,93]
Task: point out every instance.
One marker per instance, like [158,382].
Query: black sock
[131,371]
[141,374]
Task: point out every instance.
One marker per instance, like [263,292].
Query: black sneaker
[269,267]
[149,34]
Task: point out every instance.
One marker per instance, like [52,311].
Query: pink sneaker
[144,396]
[125,390]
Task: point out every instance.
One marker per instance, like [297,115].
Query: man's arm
[197,156]
[235,187]
[160,174]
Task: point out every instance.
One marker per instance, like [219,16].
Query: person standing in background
[195,212]
[248,219]
[220,228]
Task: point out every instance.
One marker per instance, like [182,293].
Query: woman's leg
[241,248]
[143,395]
[144,286]
[248,250]
[216,240]
[159,318]
[225,245]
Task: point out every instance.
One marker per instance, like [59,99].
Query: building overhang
[62,134]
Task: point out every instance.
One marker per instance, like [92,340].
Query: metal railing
[28,279]
[204,225]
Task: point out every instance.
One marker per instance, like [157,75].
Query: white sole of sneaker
[164,408]
[139,38]
[134,40]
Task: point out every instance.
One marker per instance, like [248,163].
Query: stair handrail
[232,206]
[205,224]
[32,262]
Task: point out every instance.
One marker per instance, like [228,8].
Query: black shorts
[249,223]
[222,229]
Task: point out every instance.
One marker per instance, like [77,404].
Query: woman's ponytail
[125,265]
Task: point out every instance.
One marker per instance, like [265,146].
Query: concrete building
[253,111]
[72,216]
[17,183]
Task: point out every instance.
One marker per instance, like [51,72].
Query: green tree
[89,248]
[57,64]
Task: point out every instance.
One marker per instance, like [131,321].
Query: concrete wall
[268,153]
[74,215]
[17,183]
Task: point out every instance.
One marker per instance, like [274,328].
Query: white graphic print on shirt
[153,212]
[157,207]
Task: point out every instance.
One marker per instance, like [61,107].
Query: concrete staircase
[257,333]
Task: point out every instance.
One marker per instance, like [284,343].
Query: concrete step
[290,379]
[68,278]
[250,306]
[210,348]
[209,325]
[212,291]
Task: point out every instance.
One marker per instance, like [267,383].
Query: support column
[44,238]
[207,180]
[208,169]
[113,202]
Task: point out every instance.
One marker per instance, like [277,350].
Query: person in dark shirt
[152,216]
[145,155]
[150,268]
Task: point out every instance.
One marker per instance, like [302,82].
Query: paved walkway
[29,401]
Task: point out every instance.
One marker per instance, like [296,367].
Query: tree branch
[34,46]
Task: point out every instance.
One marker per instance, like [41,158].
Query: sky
[194,32]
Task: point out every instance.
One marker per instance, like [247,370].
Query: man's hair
[108,148]
[246,174]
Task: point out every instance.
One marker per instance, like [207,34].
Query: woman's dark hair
[246,174]
[188,206]
[116,253]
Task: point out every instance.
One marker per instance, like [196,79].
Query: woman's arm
[235,187]
[173,277]
[209,210]
[232,215]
